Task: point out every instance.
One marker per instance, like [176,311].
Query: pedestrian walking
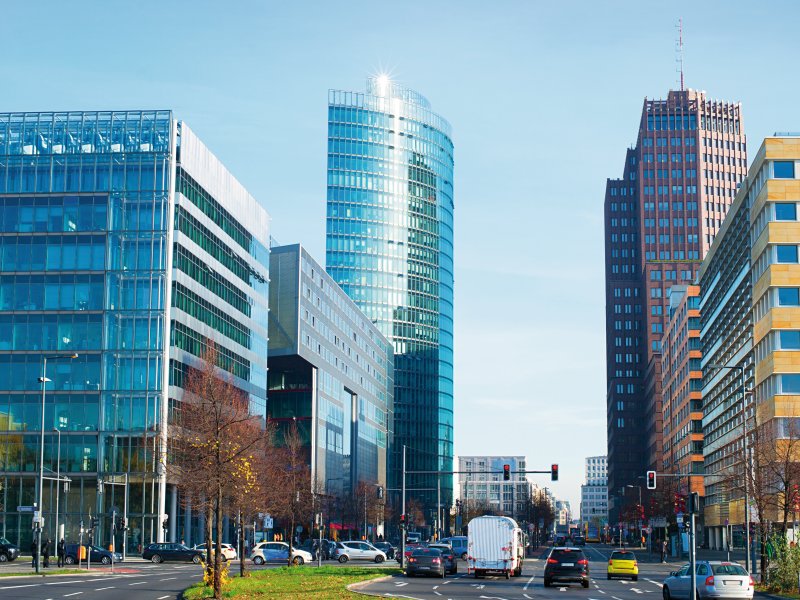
[46,553]
[61,550]
[664,551]
[34,554]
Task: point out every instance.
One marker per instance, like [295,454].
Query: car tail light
[583,561]
[552,561]
[710,580]
[610,563]
[412,559]
[636,563]
[436,561]
[752,583]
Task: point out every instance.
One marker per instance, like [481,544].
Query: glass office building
[390,247]
[125,241]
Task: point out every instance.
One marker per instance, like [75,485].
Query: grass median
[308,583]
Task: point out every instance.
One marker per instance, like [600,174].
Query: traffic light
[402,521]
[553,472]
[680,503]
[95,522]
[165,523]
[694,502]
[506,472]
[641,512]
[380,492]
[651,480]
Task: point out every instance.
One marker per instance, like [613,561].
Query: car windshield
[622,556]
[442,548]
[426,552]
[567,555]
[724,569]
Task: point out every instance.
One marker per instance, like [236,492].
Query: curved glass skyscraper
[390,247]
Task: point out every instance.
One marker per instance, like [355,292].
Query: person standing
[61,551]
[664,551]
[46,554]
[34,554]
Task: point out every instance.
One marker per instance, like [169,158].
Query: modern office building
[660,219]
[123,240]
[750,308]
[483,483]
[594,493]
[682,394]
[390,248]
[330,371]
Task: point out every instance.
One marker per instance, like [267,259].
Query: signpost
[28,509]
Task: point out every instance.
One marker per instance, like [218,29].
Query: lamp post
[640,510]
[43,380]
[740,368]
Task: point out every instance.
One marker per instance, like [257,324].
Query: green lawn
[44,573]
[308,583]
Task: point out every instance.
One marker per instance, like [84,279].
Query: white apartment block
[594,493]
[483,483]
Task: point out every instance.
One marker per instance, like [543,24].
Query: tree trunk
[209,528]
[218,548]
[241,546]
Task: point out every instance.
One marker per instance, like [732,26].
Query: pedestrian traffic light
[651,480]
[95,522]
[553,472]
[380,492]
[165,523]
[506,472]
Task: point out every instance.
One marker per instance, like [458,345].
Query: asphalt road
[529,586]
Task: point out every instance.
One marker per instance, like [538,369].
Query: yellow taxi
[622,563]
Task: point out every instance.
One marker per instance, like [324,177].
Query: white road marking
[436,587]
[637,590]
[601,591]
[437,593]
[14,587]
[63,582]
[400,583]
[562,589]
[529,582]
[163,597]
[138,583]
[167,578]
[526,595]
[111,587]
[72,594]
[615,598]
[493,598]
[661,585]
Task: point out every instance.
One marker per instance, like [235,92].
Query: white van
[495,545]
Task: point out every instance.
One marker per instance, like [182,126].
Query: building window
[786,254]
[785,211]
[788,297]
[783,169]
[790,340]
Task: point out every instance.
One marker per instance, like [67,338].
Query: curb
[46,576]
[356,587]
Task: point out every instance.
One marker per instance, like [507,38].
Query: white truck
[495,545]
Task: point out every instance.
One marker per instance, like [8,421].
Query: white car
[358,550]
[265,552]
[228,551]
[713,579]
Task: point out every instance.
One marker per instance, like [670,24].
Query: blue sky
[544,98]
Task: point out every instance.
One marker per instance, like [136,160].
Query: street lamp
[740,368]
[58,481]
[43,380]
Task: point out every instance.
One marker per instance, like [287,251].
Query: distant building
[330,371]
[594,493]
[484,483]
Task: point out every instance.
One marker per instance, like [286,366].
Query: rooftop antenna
[679,50]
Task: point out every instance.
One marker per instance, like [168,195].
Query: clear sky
[544,98]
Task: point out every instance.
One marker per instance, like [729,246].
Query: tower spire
[679,49]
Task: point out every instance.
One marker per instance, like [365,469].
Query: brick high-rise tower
[660,220]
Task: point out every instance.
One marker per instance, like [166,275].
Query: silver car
[713,579]
[358,550]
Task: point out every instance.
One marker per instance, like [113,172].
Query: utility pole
[403,512]
[694,500]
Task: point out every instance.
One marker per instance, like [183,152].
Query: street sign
[29,509]
[658,521]
[268,522]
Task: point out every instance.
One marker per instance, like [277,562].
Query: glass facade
[390,247]
[89,214]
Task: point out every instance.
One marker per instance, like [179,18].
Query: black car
[98,555]
[8,551]
[566,565]
[425,561]
[448,556]
[579,540]
[161,552]
[387,548]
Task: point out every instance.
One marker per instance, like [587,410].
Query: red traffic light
[553,472]
[506,472]
[651,480]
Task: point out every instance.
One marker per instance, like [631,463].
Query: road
[529,586]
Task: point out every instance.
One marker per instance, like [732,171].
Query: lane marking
[661,585]
[436,587]
[138,583]
[400,583]
[563,589]
[14,587]
[167,578]
[164,597]
[437,593]
[111,587]
[72,594]
[63,582]
[529,582]
[526,595]
[601,591]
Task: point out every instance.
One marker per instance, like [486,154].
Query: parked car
[265,552]
[163,552]
[713,579]
[8,551]
[386,548]
[459,545]
[228,551]
[98,555]
[566,565]
[448,557]
[622,563]
[357,550]
[425,561]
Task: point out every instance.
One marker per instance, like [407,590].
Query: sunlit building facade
[390,248]
[125,241]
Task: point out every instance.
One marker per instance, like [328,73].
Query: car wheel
[409,574]
[196,559]
[69,560]
[3,557]
[343,558]
[546,583]
[258,560]
[378,559]
[635,578]
[585,584]
[298,560]
[106,560]
[665,593]
[156,558]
